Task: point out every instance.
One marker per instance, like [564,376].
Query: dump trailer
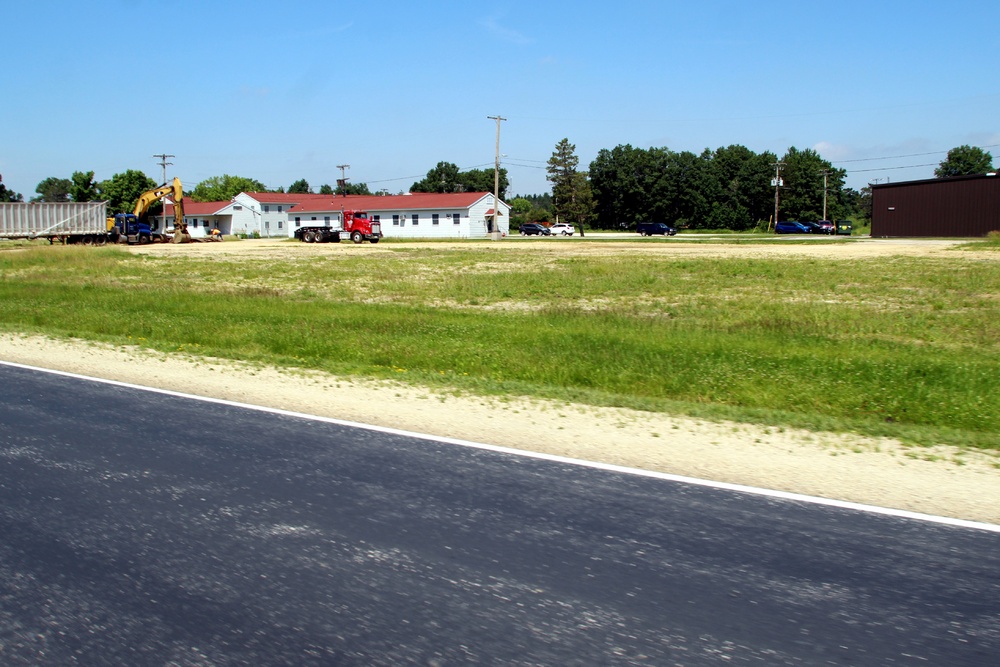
[353,225]
[83,222]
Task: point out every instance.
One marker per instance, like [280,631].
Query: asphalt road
[144,529]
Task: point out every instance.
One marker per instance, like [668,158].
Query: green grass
[899,346]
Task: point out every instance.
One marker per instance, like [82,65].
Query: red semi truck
[353,225]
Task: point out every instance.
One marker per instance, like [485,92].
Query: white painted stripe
[784,495]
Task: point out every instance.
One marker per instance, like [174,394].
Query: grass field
[898,346]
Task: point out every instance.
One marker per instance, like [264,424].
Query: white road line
[785,495]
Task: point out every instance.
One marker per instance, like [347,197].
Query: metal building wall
[963,206]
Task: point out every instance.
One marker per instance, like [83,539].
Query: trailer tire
[374,239]
[356,237]
[308,237]
[88,240]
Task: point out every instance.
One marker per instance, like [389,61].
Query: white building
[279,214]
[416,215]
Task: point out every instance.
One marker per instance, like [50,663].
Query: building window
[376,218]
[280,224]
[456,217]
[205,223]
[279,209]
[298,221]
[237,208]
[314,217]
[415,219]
[267,224]
[434,218]
[267,208]
[326,220]
[395,220]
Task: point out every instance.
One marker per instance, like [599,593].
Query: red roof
[192,207]
[282,197]
[314,203]
[412,201]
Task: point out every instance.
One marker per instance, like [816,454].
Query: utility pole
[826,176]
[342,181]
[777,183]
[163,163]
[495,235]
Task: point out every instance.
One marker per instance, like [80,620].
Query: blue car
[788,227]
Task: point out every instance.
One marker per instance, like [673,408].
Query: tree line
[730,187]
[121,191]
[727,188]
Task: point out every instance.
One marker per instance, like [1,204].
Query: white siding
[425,227]
[246,220]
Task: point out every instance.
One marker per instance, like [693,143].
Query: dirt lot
[942,481]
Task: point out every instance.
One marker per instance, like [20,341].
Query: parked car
[813,227]
[827,226]
[845,227]
[534,229]
[650,228]
[562,228]
[789,227]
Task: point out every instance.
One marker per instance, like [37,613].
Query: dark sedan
[534,229]
[789,227]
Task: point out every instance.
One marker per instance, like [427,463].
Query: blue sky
[283,91]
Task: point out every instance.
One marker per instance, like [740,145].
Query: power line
[895,157]
[908,166]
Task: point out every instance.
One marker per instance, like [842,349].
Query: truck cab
[133,230]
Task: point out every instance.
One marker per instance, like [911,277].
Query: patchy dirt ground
[943,480]
[611,244]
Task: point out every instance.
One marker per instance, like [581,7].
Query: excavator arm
[172,190]
[175,191]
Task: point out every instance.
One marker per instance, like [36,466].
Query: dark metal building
[959,206]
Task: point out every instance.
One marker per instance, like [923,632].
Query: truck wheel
[356,237]
[143,239]
[308,237]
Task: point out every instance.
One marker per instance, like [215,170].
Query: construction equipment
[133,228]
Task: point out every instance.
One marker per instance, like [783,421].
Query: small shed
[958,206]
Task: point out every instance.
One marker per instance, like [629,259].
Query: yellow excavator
[134,229]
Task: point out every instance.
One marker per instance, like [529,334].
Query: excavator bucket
[181,235]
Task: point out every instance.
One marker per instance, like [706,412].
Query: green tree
[325,189]
[83,187]
[299,187]
[965,161]
[352,189]
[225,187]
[9,195]
[122,190]
[53,189]
[626,181]
[863,207]
[482,180]
[744,179]
[442,178]
[802,194]
[447,177]
[520,206]
[571,192]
